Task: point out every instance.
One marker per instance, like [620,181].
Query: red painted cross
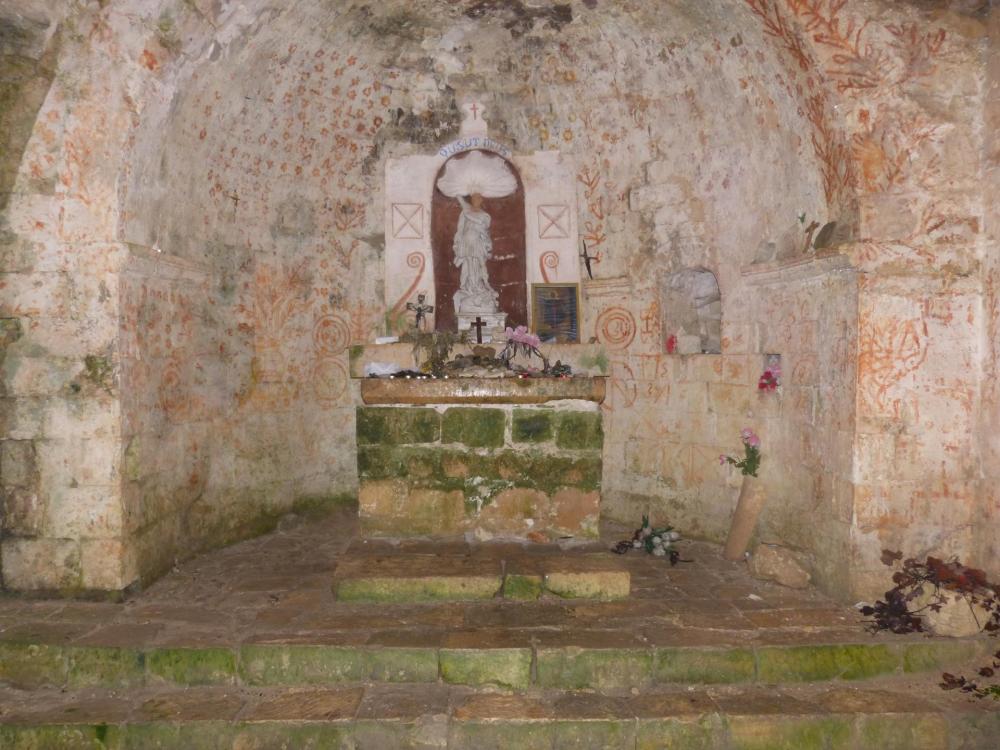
[475,110]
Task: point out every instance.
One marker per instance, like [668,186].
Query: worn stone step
[910,715]
[417,577]
[508,658]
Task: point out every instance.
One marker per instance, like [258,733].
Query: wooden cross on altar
[478,324]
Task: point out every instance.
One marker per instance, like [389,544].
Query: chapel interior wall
[209,195]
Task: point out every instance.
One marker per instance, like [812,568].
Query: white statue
[473,246]
[476,175]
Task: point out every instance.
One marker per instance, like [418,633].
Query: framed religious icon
[555,312]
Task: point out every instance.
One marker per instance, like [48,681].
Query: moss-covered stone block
[580,430]
[401,664]
[397,425]
[904,732]
[815,663]
[494,735]
[522,587]
[690,734]
[780,733]
[474,427]
[598,669]
[94,666]
[941,655]
[549,473]
[32,665]
[594,734]
[704,666]
[192,666]
[263,664]
[80,737]
[418,589]
[505,667]
[594,584]
[532,426]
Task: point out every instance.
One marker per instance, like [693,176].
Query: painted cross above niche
[519,208]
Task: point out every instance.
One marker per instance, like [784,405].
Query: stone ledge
[482,390]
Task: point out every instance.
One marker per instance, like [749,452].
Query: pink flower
[722,459]
[753,441]
[746,433]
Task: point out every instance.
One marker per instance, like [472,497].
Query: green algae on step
[37,665]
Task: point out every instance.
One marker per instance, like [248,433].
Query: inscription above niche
[532,229]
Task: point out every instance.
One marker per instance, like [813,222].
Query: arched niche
[507,269]
[692,307]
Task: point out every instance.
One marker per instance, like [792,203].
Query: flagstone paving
[247,644]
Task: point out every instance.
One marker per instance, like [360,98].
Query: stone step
[890,715]
[509,659]
[409,577]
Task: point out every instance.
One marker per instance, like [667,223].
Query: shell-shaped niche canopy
[477,173]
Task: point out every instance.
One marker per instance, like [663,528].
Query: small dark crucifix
[421,309]
[587,259]
[478,324]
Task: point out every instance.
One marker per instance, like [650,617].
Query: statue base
[492,325]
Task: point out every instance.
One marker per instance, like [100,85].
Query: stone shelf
[482,390]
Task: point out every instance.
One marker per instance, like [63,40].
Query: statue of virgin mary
[469,180]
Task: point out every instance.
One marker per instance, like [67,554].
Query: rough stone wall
[203,193]
[988,523]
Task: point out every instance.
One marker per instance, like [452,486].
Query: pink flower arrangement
[750,462]
[770,380]
[521,335]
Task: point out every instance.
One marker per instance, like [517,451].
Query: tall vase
[745,518]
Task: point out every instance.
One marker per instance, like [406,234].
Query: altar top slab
[482,390]
[585,359]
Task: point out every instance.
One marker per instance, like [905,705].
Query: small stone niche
[692,311]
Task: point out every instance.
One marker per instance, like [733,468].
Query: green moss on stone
[475,427]
[505,667]
[401,664]
[779,733]
[32,665]
[580,430]
[192,666]
[397,425]
[94,666]
[523,735]
[531,426]
[598,669]
[422,589]
[598,584]
[813,663]
[522,587]
[935,655]
[690,734]
[301,665]
[705,666]
[889,732]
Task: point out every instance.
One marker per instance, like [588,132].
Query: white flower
[657,541]
[636,543]
[659,551]
[673,536]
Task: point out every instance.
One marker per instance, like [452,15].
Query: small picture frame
[555,312]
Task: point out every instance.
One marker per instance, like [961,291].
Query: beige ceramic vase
[748,508]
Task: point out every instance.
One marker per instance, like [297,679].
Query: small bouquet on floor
[750,462]
[656,541]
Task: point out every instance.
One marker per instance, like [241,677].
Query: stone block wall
[499,471]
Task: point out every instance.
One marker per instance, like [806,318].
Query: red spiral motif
[413,260]
[331,334]
[548,260]
[616,328]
